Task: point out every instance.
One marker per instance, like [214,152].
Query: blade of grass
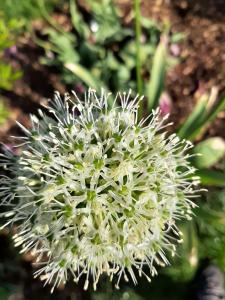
[158,72]
[217,108]
[211,177]
[194,119]
[203,114]
[83,74]
[77,20]
[138,44]
[209,117]
[4,113]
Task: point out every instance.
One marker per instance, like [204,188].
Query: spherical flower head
[95,190]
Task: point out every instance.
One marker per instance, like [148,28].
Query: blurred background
[172,52]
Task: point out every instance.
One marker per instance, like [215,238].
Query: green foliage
[63,45]
[4,113]
[7,37]
[210,152]
[204,237]
[4,293]
[109,292]
[184,264]
[144,290]
[105,24]
[178,37]
[158,72]
[25,10]
[88,54]
[211,226]
[195,119]
[101,51]
[77,20]
[8,75]
[138,45]
[211,177]
[204,113]
[83,75]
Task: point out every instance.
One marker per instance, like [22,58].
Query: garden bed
[201,67]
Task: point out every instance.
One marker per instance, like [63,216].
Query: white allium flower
[97,191]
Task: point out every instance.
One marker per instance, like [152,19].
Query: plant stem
[138,44]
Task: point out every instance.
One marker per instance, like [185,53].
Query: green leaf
[210,150]
[4,294]
[217,108]
[149,24]
[8,76]
[106,21]
[45,14]
[83,74]
[211,112]
[211,226]
[203,114]
[4,113]
[25,11]
[158,72]
[178,37]
[184,265]
[194,119]
[64,45]
[77,21]
[211,177]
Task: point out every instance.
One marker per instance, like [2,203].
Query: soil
[202,67]
[202,53]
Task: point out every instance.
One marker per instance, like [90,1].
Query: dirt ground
[202,53]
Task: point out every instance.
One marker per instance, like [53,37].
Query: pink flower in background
[165,104]
[79,88]
[11,51]
[175,49]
